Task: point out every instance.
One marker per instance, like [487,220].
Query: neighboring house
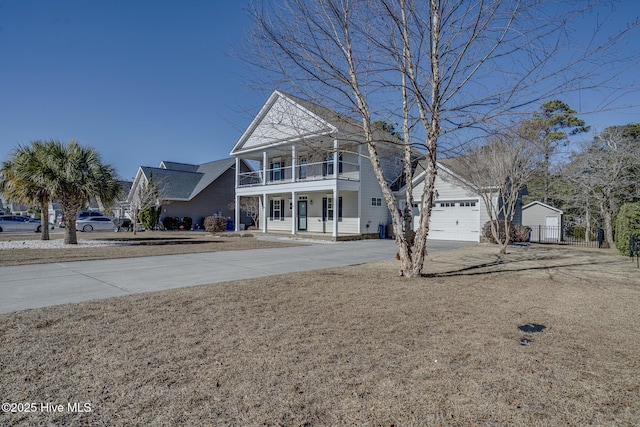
[194,191]
[458,213]
[121,205]
[312,172]
[545,221]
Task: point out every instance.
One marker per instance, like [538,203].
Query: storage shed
[545,221]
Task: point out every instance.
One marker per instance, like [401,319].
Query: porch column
[335,211]
[294,212]
[264,168]
[336,162]
[294,163]
[237,212]
[237,172]
[265,212]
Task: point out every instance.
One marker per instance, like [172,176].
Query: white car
[19,223]
[90,223]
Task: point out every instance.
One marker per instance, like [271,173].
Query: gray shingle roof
[186,167]
[181,181]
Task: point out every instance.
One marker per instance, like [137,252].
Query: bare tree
[439,68]
[251,206]
[145,195]
[606,169]
[498,171]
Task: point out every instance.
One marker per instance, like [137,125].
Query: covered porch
[329,212]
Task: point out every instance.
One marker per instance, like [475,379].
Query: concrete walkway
[42,285]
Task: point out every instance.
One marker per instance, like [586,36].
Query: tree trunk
[607,215]
[546,176]
[70,215]
[44,220]
[587,231]
[135,221]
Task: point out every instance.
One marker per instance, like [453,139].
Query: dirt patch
[143,244]
[347,346]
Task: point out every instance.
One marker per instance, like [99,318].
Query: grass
[347,346]
[148,243]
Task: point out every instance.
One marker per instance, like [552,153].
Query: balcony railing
[304,172]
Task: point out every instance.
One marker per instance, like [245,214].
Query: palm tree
[78,174]
[26,179]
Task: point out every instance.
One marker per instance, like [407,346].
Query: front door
[302,215]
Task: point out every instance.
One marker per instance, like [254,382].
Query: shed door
[552,228]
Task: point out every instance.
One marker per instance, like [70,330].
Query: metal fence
[634,248]
[563,236]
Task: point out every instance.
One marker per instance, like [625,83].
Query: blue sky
[145,81]
[141,81]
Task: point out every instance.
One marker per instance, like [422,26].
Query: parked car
[90,223]
[19,223]
[81,215]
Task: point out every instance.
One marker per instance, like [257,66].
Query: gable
[210,172]
[542,207]
[281,120]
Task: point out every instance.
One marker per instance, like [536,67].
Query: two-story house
[311,170]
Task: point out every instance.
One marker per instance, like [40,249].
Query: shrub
[215,224]
[186,222]
[521,233]
[579,233]
[486,231]
[150,217]
[627,224]
[171,223]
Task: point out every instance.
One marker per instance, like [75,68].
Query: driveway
[42,285]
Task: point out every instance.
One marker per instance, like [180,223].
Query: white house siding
[370,189]
[284,120]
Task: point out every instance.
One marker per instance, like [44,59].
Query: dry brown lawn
[347,346]
[148,243]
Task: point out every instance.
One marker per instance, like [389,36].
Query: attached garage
[457,214]
[455,220]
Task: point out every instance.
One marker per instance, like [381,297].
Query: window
[447,204]
[277,172]
[328,165]
[376,201]
[276,210]
[302,172]
[467,204]
[327,208]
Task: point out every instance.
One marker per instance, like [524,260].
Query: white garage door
[455,220]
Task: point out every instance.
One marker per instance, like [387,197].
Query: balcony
[304,173]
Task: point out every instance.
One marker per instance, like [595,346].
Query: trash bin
[230,225]
[382,231]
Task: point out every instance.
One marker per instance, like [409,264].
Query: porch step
[320,236]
